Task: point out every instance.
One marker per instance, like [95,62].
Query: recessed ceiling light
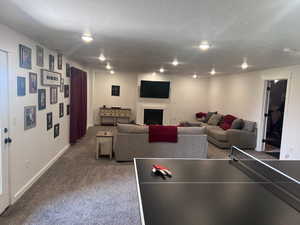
[244,65]
[195,76]
[108,66]
[102,57]
[112,72]
[204,45]
[162,70]
[153,74]
[213,71]
[175,62]
[276,81]
[287,50]
[87,38]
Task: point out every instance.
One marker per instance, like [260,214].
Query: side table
[104,143]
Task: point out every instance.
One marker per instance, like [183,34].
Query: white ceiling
[142,35]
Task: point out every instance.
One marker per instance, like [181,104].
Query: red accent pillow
[227,122]
[200,115]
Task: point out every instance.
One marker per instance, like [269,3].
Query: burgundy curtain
[78,105]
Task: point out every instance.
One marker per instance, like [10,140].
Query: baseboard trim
[22,190]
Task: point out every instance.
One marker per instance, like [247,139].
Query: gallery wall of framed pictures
[44,76]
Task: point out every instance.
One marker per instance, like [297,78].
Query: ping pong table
[241,190]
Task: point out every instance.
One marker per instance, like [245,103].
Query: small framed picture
[49,121]
[61,87]
[29,117]
[115,90]
[68,70]
[56,130]
[25,57]
[41,99]
[59,61]
[61,110]
[68,109]
[32,82]
[39,56]
[51,63]
[53,95]
[67,91]
[21,86]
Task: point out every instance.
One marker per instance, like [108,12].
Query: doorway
[274,116]
[4,140]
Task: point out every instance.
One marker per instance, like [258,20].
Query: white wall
[243,94]
[187,97]
[32,151]
[102,92]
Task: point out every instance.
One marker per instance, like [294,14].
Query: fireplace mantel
[142,106]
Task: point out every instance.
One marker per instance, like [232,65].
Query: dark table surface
[210,192]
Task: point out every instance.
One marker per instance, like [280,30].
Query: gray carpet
[78,190]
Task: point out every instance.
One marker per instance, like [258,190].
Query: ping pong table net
[280,183]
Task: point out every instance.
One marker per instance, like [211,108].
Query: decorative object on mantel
[56,130]
[29,117]
[114,114]
[68,70]
[21,86]
[53,95]
[25,57]
[61,87]
[51,63]
[39,56]
[115,90]
[32,82]
[59,61]
[49,78]
[67,91]
[42,99]
[61,110]
[49,121]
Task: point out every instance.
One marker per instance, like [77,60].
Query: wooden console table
[114,114]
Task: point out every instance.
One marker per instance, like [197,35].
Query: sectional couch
[131,141]
[240,133]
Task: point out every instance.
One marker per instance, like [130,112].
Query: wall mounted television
[155,89]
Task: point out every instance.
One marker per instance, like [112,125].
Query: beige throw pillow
[214,119]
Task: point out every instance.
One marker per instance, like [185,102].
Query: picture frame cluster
[44,88]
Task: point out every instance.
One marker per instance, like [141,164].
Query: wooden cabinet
[114,114]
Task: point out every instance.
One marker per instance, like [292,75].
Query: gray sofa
[131,141]
[245,137]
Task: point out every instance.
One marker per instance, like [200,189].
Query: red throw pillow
[227,122]
[225,126]
[200,115]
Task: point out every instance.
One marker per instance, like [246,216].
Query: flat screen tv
[155,89]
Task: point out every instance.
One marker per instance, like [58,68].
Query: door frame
[5,152]
[287,76]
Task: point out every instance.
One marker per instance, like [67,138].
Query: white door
[4,140]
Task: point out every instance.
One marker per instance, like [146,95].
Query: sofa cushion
[189,124]
[214,119]
[208,115]
[134,129]
[249,126]
[217,133]
[191,130]
[237,124]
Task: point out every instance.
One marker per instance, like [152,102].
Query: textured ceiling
[141,35]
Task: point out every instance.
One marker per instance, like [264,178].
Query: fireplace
[153,116]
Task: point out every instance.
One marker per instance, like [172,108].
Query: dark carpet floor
[78,190]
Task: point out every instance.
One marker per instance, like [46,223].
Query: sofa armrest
[242,139]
